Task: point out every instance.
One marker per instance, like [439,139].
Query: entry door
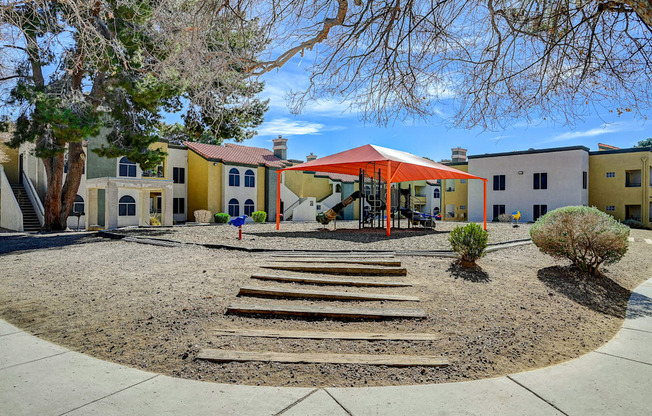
[155,204]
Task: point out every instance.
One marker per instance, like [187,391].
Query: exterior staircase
[30,220]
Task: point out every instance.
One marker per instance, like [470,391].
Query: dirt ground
[153,307]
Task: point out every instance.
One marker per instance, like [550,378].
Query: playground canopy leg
[389,197]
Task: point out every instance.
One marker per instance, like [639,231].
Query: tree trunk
[76,157]
[52,204]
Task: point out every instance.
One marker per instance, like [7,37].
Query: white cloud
[597,131]
[287,127]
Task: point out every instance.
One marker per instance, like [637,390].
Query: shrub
[586,236]
[505,218]
[259,216]
[469,242]
[222,218]
[202,215]
[635,224]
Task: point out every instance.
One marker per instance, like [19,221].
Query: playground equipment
[516,215]
[237,222]
[331,214]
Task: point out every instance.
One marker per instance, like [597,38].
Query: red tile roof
[338,176]
[236,153]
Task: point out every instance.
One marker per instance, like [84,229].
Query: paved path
[40,378]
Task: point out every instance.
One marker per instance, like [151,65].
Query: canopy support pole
[484,182]
[278,200]
[389,196]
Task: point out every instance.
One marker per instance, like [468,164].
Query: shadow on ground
[640,306]
[472,274]
[147,232]
[366,235]
[598,293]
[34,242]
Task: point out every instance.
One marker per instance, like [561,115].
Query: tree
[645,143]
[68,69]
[489,62]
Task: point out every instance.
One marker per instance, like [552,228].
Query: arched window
[234,177]
[436,193]
[127,206]
[338,188]
[249,207]
[250,179]
[78,205]
[234,207]
[126,168]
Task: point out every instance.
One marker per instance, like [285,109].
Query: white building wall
[564,169]
[241,193]
[431,201]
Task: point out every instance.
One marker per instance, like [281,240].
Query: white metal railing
[11,217]
[287,213]
[34,198]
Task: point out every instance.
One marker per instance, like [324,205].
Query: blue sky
[326,127]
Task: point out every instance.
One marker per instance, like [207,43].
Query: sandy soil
[153,307]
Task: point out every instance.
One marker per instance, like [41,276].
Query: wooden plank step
[347,270]
[326,311]
[326,254]
[321,294]
[310,358]
[371,262]
[329,281]
[365,336]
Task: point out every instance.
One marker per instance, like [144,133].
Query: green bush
[586,236]
[469,242]
[221,218]
[259,216]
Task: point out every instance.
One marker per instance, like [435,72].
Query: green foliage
[645,143]
[586,236]
[469,242]
[221,218]
[259,216]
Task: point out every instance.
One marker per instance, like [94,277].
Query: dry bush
[505,218]
[469,242]
[203,216]
[586,236]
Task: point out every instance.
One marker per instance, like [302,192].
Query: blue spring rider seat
[238,221]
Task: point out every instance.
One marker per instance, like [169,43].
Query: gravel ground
[311,235]
[153,307]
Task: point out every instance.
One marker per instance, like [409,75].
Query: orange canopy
[394,166]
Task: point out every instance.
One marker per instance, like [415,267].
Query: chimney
[459,155]
[311,157]
[281,148]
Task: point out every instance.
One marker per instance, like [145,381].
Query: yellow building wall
[306,184]
[10,166]
[214,184]
[605,191]
[163,147]
[260,188]
[197,184]
[459,197]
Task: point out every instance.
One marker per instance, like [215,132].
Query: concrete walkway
[40,378]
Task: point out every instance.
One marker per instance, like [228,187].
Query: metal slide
[331,214]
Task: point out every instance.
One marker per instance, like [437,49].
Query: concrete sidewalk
[40,378]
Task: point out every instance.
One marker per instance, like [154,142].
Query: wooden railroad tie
[326,311]
[308,358]
[344,270]
[364,336]
[370,262]
[329,281]
[322,294]
[333,255]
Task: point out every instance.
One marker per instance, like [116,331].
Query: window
[249,207]
[462,180]
[498,210]
[499,183]
[250,179]
[179,205]
[462,206]
[450,185]
[338,188]
[541,180]
[234,207]
[538,211]
[179,175]
[436,193]
[126,168]
[611,174]
[154,173]
[611,207]
[234,177]
[127,206]
[78,205]
[585,180]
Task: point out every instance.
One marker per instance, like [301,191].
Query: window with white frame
[179,175]
[234,207]
[178,205]
[249,207]
[126,168]
[436,193]
[127,206]
[234,177]
[249,179]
